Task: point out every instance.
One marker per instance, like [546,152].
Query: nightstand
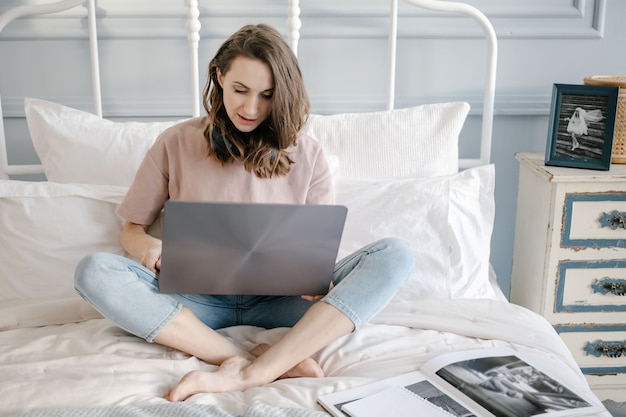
[569,263]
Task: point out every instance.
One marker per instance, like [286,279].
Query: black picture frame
[582,121]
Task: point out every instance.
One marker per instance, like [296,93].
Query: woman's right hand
[151,259]
[141,246]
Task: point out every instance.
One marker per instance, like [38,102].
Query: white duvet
[93,363]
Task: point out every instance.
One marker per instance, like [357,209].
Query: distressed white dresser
[569,263]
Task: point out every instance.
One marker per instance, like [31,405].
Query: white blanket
[95,364]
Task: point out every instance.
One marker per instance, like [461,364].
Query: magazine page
[396,402]
[504,384]
[416,382]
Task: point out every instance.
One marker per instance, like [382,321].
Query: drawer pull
[614,219]
[609,285]
[608,349]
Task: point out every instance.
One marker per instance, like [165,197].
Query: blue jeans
[127,293]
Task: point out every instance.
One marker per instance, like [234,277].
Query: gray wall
[342,51]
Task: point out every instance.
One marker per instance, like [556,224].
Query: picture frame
[582,122]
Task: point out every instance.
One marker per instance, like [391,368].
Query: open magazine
[479,383]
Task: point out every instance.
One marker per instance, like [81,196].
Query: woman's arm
[140,245]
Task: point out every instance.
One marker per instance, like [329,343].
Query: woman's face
[248,89]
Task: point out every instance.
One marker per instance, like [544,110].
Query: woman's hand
[317,297]
[140,245]
[151,259]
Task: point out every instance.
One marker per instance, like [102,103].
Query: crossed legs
[239,369]
[364,283]
[127,293]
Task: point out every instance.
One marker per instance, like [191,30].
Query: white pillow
[447,222]
[419,141]
[45,229]
[79,147]
[75,146]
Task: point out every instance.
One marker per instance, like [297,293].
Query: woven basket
[619,136]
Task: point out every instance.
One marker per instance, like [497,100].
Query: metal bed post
[93,55]
[4,161]
[193,36]
[293,25]
[393,34]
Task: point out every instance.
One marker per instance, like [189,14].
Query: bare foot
[227,378]
[230,376]
[307,368]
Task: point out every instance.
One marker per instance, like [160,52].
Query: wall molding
[351,19]
[179,106]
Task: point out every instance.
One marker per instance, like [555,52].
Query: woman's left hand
[317,297]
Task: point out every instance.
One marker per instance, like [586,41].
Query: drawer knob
[608,349]
[609,285]
[614,219]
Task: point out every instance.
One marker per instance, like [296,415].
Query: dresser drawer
[594,220]
[591,286]
[598,349]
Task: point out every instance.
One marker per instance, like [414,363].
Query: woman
[247,148]
[577,124]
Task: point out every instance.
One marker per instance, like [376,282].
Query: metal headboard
[294,24]
[490,65]
[193,37]
[7,170]
[293,31]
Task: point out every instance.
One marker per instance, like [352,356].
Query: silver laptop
[249,248]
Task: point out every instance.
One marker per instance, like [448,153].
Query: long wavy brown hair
[262,151]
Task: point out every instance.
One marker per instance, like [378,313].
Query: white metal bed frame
[293,32]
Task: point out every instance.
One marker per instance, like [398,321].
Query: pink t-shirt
[177,167]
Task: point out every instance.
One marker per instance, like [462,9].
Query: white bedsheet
[93,363]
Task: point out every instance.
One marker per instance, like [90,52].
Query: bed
[60,357]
